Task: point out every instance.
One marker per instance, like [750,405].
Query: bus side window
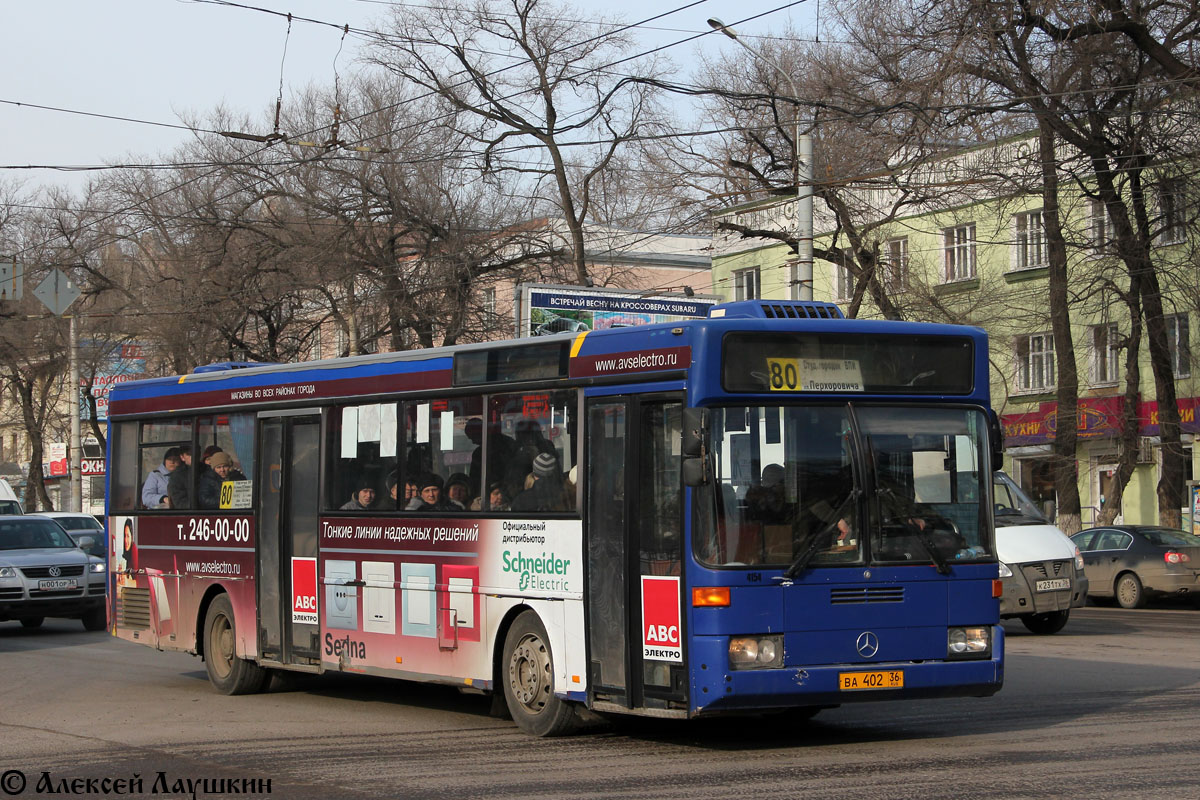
[441,438]
[362,456]
[126,474]
[538,423]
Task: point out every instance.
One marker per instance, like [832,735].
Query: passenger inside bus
[363,498]
[458,492]
[546,493]
[429,497]
[220,469]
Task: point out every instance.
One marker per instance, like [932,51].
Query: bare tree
[533,92]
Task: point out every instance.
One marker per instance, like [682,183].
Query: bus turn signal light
[997,588]
[710,596]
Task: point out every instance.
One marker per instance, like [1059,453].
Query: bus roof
[632,353]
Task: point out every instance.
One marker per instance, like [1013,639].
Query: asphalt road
[1109,707]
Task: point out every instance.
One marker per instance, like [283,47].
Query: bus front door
[287,538]
[635,546]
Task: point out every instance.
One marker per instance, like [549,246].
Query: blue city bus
[771,509]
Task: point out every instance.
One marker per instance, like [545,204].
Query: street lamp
[803,280]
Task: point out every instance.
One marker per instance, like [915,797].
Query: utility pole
[801,279]
[75,448]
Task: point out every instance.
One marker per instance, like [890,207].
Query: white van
[9,504]
[1040,568]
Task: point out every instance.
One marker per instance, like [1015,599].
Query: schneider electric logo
[546,572]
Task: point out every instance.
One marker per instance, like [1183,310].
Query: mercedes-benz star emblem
[55,572]
[867,644]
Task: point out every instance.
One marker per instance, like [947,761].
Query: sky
[160,60]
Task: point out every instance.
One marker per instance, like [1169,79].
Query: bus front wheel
[228,673]
[528,676]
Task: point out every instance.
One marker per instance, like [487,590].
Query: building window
[489,303]
[960,252]
[845,282]
[1105,353]
[746,285]
[1030,239]
[1099,225]
[1035,362]
[315,352]
[1178,341]
[1172,208]
[895,263]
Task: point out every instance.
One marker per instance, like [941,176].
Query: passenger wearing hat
[363,498]
[220,469]
[429,497]
[458,492]
[546,494]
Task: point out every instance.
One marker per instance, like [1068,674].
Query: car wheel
[228,673]
[528,676]
[1129,591]
[95,620]
[32,622]
[1045,624]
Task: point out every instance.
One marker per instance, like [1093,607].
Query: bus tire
[228,673]
[528,676]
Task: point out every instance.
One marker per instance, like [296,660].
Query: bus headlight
[756,652]
[1005,570]
[974,642]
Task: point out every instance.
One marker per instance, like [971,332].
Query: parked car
[1132,562]
[43,573]
[1041,570]
[9,504]
[85,529]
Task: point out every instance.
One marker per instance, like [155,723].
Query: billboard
[543,309]
[122,362]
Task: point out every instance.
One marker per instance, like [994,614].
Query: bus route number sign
[814,375]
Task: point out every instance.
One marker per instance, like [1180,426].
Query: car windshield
[796,486]
[1012,503]
[10,507]
[27,534]
[1169,537]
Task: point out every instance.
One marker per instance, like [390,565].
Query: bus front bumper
[716,688]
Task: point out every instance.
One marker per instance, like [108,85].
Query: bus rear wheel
[228,673]
[528,676]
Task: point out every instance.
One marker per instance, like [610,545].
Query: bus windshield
[811,485]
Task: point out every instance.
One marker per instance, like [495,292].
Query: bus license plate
[60,583]
[851,681]
[1053,585]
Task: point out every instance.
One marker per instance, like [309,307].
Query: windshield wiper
[909,512]
[821,538]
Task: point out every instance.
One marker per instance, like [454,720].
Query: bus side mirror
[996,435]
[694,471]
[695,430]
[695,434]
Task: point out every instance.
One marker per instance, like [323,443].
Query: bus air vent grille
[133,608]
[801,311]
[866,594]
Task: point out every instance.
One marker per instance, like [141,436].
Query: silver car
[43,573]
